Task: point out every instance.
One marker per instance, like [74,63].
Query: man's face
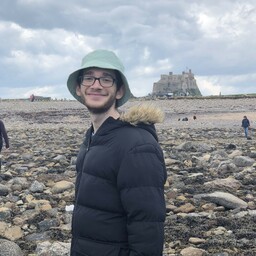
[96,98]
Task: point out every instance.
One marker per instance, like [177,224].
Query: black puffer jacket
[120,205]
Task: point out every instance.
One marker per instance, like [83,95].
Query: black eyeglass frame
[81,78]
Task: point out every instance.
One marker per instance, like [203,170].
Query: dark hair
[119,80]
[78,79]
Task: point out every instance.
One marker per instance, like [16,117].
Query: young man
[119,200]
[246,125]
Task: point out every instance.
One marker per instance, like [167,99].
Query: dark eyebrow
[108,74]
[89,72]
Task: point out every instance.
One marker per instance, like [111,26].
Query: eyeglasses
[105,81]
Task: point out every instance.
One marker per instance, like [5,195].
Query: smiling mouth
[96,94]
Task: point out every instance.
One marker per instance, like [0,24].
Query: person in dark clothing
[32,97]
[3,136]
[246,125]
[119,207]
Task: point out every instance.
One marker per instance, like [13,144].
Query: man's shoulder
[132,130]
[128,130]
[134,135]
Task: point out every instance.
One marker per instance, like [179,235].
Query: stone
[37,187]
[4,190]
[225,199]
[243,161]
[229,184]
[9,248]
[62,186]
[191,251]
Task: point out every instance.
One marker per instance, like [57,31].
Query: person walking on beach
[119,204]
[3,138]
[246,125]
[32,97]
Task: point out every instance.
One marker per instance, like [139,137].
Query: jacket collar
[143,114]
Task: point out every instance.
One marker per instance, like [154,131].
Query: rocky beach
[210,191]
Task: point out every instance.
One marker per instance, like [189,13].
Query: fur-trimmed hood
[143,114]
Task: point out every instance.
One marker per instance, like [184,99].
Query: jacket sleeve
[141,181]
[4,133]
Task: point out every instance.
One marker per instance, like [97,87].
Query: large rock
[243,161]
[225,199]
[8,248]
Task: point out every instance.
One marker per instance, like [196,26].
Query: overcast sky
[43,41]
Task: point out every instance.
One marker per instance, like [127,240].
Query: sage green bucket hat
[100,59]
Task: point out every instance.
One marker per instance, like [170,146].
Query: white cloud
[208,86]
[44,41]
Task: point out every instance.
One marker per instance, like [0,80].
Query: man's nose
[96,83]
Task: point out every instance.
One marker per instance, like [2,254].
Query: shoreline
[213,113]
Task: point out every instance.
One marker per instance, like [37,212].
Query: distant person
[119,207]
[32,97]
[3,138]
[246,125]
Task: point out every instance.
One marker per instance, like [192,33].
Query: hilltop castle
[177,85]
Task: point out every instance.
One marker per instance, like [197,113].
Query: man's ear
[78,91]
[120,92]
